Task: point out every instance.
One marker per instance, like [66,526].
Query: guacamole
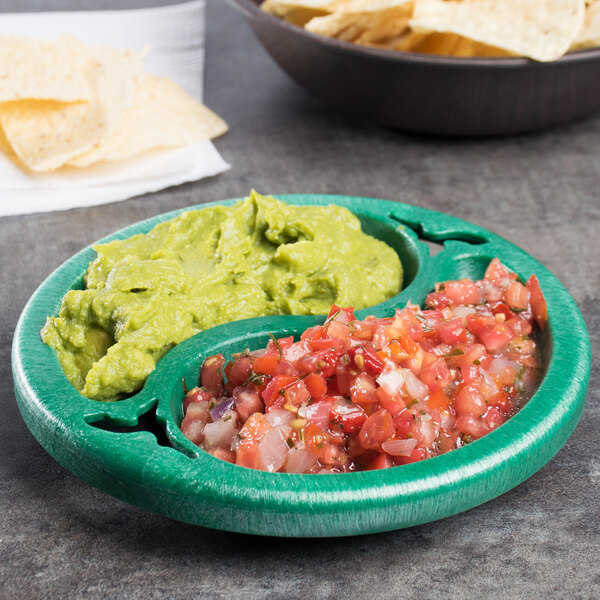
[206,267]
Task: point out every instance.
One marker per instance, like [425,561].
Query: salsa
[368,394]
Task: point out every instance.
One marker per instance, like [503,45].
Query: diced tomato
[318,412]
[265,364]
[494,418]
[319,362]
[247,402]
[498,274]
[362,390]
[517,296]
[501,402]
[470,374]
[462,292]
[378,428]
[250,434]
[518,326]
[478,323]
[344,375]
[496,337]
[393,404]
[383,461]
[437,300]
[239,370]
[313,333]
[538,302]
[316,385]
[470,401]
[438,400]
[366,360]
[436,375]
[501,308]
[452,331]
[464,355]
[416,455]
[296,351]
[471,425]
[404,423]
[286,368]
[361,330]
[344,315]
[223,454]
[273,394]
[211,375]
[339,331]
[327,343]
[296,393]
[347,416]
[275,347]
[332,455]
[409,346]
[315,437]
[195,395]
[396,351]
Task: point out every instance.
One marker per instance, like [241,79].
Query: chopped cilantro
[454,352]
[277,344]
[333,316]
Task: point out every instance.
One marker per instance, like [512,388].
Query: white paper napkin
[176,36]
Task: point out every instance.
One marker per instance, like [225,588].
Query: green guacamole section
[206,267]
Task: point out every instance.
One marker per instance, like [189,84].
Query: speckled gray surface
[60,538]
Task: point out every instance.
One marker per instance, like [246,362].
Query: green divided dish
[134,450]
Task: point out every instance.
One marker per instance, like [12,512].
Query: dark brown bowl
[432,94]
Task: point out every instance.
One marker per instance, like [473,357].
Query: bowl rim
[217,494]
[251,8]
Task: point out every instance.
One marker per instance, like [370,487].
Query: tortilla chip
[162,115]
[364,21]
[298,12]
[45,134]
[539,29]
[442,44]
[589,36]
[33,69]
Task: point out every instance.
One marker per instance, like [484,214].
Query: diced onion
[220,409]
[462,312]
[280,416]
[448,421]
[272,450]
[492,388]
[441,349]
[391,380]
[414,386]
[219,434]
[399,447]
[299,460]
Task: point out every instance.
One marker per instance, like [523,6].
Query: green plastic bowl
[134,449]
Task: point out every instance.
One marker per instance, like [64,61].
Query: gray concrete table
[60,538]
